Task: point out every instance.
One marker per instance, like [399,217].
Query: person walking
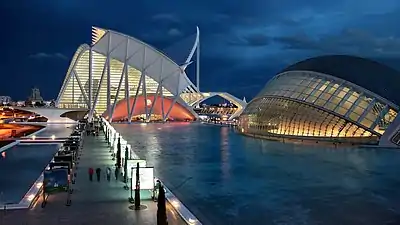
[91,174]
[98,171]
[156,189]
[108,174]
[116,173]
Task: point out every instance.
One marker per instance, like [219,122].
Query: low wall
[2,149]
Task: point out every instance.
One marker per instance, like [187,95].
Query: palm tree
[161,208]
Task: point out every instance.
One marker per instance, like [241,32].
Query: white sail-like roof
[143,57]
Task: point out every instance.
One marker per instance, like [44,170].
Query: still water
[226,178]
[21,166]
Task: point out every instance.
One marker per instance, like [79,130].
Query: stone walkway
[92,202]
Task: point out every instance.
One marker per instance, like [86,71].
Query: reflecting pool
[21,166]
[226,178]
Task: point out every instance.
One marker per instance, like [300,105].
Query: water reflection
[225,153]
[236,179]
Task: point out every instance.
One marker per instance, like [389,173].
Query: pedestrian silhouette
[98,171]
[91,174]
[108,174]
[116,173]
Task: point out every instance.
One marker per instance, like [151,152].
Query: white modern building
[334,98]
[123,78]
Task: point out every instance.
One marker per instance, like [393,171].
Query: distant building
[21,103]
[5,100]
[35,96]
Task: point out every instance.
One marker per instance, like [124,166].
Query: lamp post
[108,137]
[118,156]
[105,133]
[161,207]
[131,198]
[126,163]
[137,189]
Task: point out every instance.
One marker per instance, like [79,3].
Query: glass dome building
[336,98]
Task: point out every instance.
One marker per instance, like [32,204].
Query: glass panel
[324,86]
[354,116]
[364,102]
[366,122]
[320,102]
[353,97]
[341,110]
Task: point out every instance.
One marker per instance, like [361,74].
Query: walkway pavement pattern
[91,202]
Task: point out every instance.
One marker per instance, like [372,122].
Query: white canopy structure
[117,67]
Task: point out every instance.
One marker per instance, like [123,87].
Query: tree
[161,208]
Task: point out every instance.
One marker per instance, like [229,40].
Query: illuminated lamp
[148,102]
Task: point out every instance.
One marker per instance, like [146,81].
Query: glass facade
[74,97]
[298,103]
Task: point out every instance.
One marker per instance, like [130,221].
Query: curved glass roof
[366,73]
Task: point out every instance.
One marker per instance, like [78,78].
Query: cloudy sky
[244,43]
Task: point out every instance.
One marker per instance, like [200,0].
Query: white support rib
[118,90]
[90,80]
[162,101]
[138,88]
[73,91]
[82,89]
[174,101]
[65,87]
[154,101]
[194,48]
[98,89]
[65,83]
[136,94]
[144,86]
[170,108]
[108,79]
[161,89]
[127,78]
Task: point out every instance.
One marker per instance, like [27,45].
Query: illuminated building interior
[308,104]
[72,96]
[157,111]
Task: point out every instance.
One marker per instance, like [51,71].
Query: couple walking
[98,174]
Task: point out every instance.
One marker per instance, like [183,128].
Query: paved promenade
[92,202]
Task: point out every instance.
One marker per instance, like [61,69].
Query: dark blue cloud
[243,43]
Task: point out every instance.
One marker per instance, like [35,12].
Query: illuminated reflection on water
[226,178]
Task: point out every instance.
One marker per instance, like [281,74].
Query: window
[396,138]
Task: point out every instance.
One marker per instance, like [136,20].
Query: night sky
[244,43]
